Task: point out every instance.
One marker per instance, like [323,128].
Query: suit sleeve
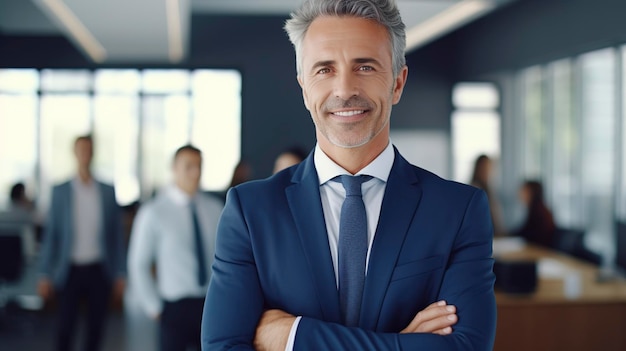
[235,300]
[467,284]
[51,241]
[119,246]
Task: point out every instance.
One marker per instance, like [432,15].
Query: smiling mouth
[348,113]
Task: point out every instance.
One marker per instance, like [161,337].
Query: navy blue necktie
[352,248]
[199,247]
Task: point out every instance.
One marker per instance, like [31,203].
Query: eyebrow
[325,63]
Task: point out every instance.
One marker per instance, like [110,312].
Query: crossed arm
[273,330]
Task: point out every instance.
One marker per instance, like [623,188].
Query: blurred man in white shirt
[176,232]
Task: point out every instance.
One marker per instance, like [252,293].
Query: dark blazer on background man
[433,241]
[58,236]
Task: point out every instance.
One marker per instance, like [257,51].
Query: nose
[346,85]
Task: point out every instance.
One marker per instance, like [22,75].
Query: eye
[366,68]
[324,71]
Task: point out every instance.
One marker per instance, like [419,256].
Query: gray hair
[384,12]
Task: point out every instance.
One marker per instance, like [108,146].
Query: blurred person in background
[19,200]
[175,231]
[538,227]
[481,178]
[288,158]
[82,254]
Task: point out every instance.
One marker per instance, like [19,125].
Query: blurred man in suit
[83,253]
[354,248]
[175,231]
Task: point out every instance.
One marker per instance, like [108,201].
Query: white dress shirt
[332,195]
[87,217]
[163,234]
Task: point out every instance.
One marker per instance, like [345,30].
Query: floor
[25,325]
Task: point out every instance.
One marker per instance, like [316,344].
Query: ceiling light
[174,30]
[76,28]
[449,19]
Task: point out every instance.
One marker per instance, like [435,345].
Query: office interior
[537,85]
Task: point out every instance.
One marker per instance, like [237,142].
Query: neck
[84,175]
[353,159]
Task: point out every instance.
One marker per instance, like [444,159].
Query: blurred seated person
[538,227]
[288,158]
[19,200]
[23,210]
[481,178]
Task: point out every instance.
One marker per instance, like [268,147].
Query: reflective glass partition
[533,122]
[621,200]
[598,152]
[563,181]
[475,126]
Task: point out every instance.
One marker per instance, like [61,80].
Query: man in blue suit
[82,255]
[307,260]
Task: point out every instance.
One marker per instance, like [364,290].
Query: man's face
[347,81]
[83,150]
[187,169]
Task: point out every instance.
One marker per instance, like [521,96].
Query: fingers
[437,318]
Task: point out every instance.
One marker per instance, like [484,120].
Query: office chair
[11,265]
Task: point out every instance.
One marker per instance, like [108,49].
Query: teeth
[348,113]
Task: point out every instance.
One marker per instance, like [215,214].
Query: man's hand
[273,330]
[45,288]
[118,289]
[437,318]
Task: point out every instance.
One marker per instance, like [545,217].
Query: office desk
[549,319]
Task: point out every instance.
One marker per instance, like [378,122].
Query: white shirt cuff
[292,334]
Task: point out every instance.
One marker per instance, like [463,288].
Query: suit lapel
[304,200]
[402,196]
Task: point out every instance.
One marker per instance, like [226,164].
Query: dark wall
[529,32]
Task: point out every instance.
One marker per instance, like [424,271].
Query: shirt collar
[179,197]
[379,168]
[79,184]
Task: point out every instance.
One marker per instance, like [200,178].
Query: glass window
[165,128]
[59,80]
[217,124]
[473,134]
[598,70]
[19,80]
[63,118]
[18,143]
[122,81]
[165,81]
[475,126]
[116,134]
[475,96]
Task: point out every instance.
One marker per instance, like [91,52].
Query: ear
[399,84]
[304,94]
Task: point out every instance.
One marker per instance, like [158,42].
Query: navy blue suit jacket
[59,232]
[433,242]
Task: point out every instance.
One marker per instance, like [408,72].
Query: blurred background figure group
[83,254]
[171,251]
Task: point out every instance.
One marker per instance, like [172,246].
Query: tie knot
[352,184]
